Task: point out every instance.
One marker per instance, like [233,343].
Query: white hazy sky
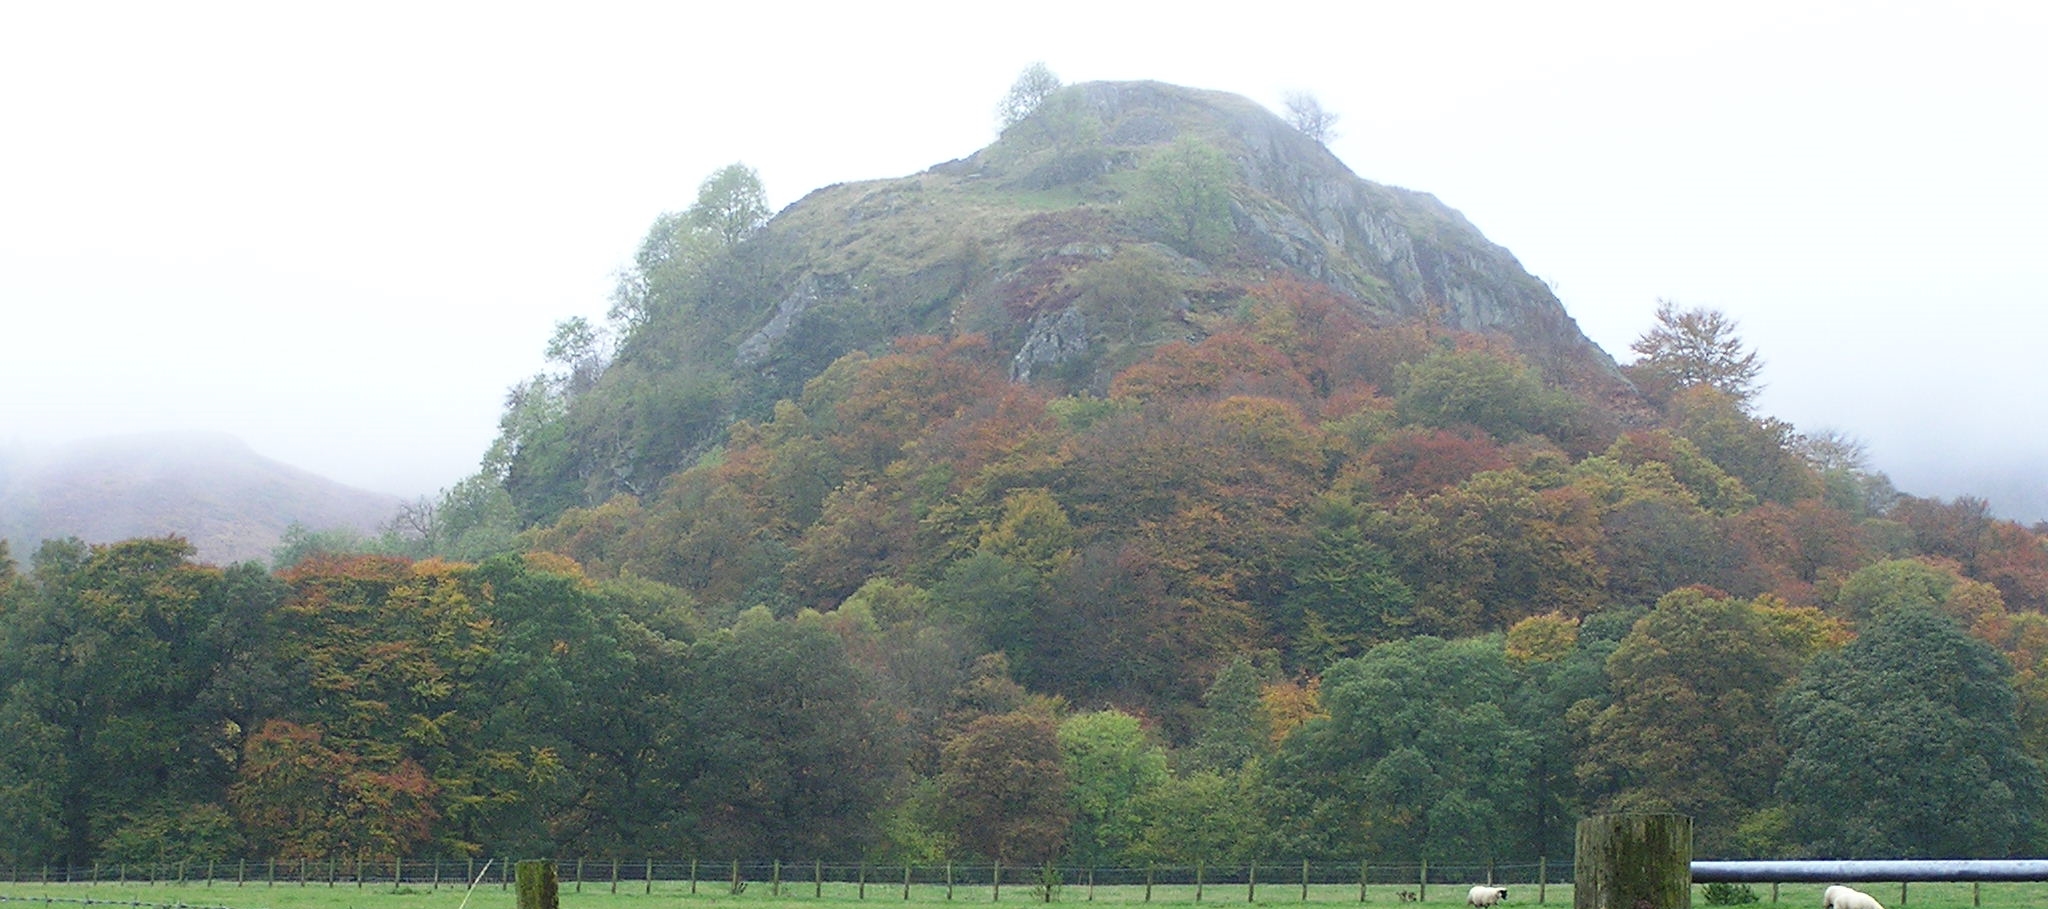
[340,231]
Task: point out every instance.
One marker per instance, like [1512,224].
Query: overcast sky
[340,231]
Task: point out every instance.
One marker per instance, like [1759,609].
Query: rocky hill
[230,502]
[1116,217]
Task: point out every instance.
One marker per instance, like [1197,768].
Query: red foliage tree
[1423,461]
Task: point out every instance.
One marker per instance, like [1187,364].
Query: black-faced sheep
[1483,896]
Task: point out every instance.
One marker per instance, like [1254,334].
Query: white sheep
[1483,896]
[1840,897]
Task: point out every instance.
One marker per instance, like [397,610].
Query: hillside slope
[1117,217]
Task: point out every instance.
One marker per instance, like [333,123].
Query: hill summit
[1115,217]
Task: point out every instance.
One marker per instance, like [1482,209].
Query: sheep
[1484,896]
[1840,897]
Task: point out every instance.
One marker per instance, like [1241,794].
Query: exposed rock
[1054,338]
[808,293]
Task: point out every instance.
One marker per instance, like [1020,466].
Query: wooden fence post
[538,886]
[1633,861]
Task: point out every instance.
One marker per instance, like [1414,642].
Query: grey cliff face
[1402,251]
[1401,254]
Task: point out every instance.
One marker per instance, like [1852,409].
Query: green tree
[1234,726]
[1111,766]
[1343,594]
[1035,84]
[1497,394]
[1905,744]
[548,773]
[786,754]
[1206,816]
[1892,585]
[1418,757]
[127,692]
[731,205]
[1756,450]
[1187,191]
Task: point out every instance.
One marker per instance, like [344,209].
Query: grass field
[759,895]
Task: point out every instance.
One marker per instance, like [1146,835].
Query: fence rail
[1900,871]
[793,875]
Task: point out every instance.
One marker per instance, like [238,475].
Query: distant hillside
[230,502]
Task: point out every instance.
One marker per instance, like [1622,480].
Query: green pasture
[761,895]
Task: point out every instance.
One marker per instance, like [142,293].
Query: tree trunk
[1634,861]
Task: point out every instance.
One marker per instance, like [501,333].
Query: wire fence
[1322,881]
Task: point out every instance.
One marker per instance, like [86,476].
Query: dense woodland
[1293,583]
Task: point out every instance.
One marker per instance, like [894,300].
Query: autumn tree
[1008,796]
[1692,348]
[1424,461]
[303,798]
[1691,728]
[1492,551]
[1131,295]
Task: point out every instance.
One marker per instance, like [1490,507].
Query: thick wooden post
[1634,861]
[538,886]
